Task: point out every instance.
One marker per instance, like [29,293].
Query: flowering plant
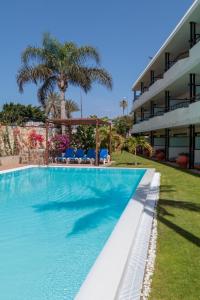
[59,143]
[34,139]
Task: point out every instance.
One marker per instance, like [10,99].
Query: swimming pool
[53,224]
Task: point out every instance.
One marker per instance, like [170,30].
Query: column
[191,146]
[142,113]
[192,86]
[152,108]
[166,144]
[152,77]
[167,61]
[142,87]
[192,34]
[151,139]
[167,101]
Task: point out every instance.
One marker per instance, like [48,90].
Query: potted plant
[160,154]
[182,160]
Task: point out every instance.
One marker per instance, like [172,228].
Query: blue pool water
[53,224]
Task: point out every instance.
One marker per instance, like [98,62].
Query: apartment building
[166,101]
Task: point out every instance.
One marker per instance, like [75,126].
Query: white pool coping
[107,279]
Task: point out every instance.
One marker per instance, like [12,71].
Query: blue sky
[125,32]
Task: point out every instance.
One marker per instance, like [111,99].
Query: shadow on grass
[180,204]
[184,233]
[128,164]
[168,188]
[162,213]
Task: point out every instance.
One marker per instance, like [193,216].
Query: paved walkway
[11,166]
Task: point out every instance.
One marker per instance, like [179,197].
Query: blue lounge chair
[67,156]
[90,156]
[79,155]
[104,156]
[60,158]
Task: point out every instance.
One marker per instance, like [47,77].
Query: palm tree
[71,106]
[59,65]
[117,141]
[132,143]
[52,105]
[124,104]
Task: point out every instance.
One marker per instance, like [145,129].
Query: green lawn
[177,270]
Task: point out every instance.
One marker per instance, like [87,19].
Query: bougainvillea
[35,140]
[59,143]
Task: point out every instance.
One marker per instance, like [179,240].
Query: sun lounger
[104,156]
[79,155]
[90,156]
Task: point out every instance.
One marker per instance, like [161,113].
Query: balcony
[180,115]
[181,67]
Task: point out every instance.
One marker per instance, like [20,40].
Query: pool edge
[106,275]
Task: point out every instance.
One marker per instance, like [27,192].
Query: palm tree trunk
[63,111]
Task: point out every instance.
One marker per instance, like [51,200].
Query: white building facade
[166,101]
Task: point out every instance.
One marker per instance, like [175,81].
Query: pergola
[79,121]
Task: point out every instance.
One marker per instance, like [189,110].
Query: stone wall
[13,139]
[14,146]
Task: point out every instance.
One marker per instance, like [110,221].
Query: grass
[177,269]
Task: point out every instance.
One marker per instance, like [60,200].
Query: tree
[132,143]
[84,137]
[123,125]
[71,106]
[19,114]
[52,105]
[59,65]
[117,141]
[123,104]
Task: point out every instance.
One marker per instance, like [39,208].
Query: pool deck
[11,166]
